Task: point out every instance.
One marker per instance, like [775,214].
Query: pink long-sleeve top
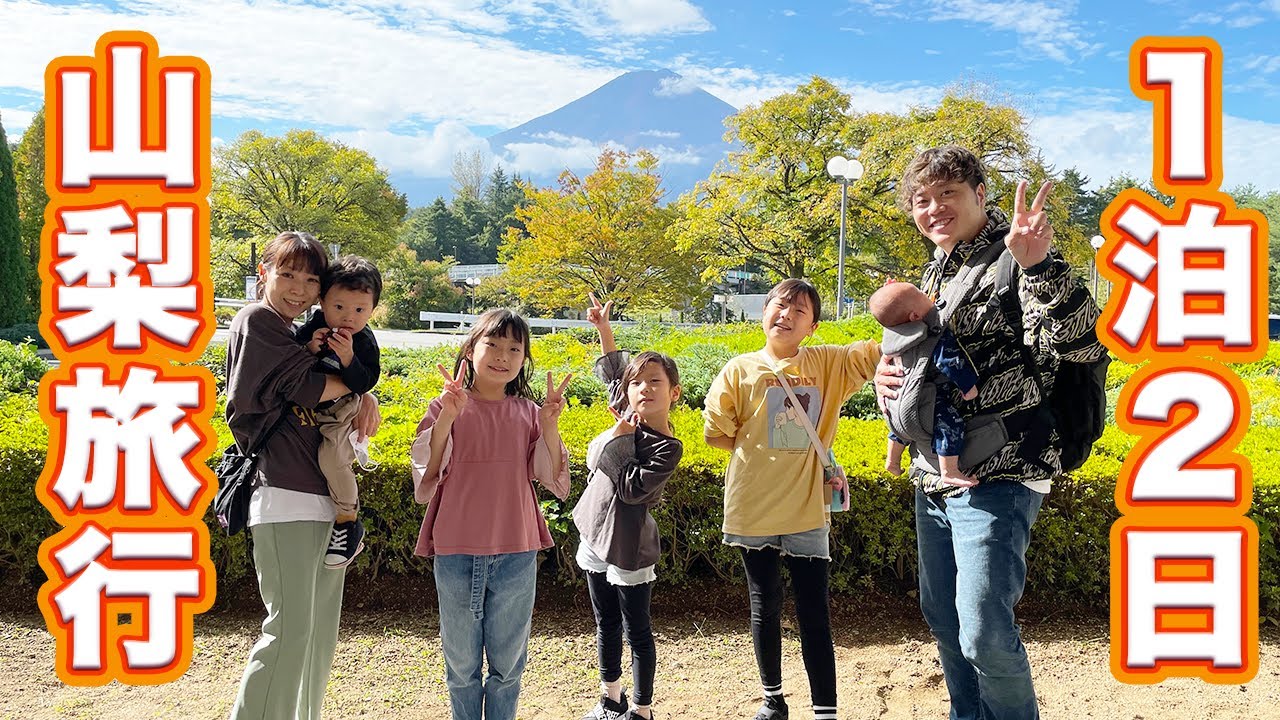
[483,501]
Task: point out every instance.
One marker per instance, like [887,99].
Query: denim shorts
[814,543]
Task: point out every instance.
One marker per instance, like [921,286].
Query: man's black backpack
[1078,400]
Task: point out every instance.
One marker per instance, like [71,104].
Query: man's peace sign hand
[1030,233]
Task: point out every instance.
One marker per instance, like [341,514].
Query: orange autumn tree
[605,233]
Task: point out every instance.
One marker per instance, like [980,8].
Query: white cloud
[1236,15]
[275,59]
[743,86]
[931,51]
[672,86]
[15,122]
[555,152]
[1263,64]
[1103,144]
[789,13]
[673,156]
[667,134]
[610,18]
[1041,27]
[1100,144]
[1248,154]
[429,154]
[559,153]
[654,17]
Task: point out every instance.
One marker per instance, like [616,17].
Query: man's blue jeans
[972,550]
[486,610]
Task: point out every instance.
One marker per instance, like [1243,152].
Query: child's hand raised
[453,398]
[598,314]
[549,413]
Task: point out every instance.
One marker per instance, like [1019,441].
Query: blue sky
[416,82]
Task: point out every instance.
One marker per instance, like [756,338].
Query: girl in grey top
[629,464]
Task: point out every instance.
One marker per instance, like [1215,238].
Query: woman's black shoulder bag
[236,472]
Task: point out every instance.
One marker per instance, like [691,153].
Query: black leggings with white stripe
[809,584]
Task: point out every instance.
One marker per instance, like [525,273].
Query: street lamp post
[844,170]
[1096,241]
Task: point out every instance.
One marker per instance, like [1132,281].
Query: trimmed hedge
[873,544]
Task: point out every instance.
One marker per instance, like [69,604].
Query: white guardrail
[465,320]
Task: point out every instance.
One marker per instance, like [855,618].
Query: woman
[272,390]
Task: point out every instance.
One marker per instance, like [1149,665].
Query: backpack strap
[962,287]
[1005,299]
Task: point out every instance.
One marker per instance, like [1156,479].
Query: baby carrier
[1075,406]
[910,415]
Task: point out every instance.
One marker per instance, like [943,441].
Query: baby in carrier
[914,331]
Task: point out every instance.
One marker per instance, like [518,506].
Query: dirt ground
[389,666]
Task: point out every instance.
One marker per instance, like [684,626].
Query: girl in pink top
[480,447]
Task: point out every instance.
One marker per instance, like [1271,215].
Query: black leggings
[809,583]
[617,607]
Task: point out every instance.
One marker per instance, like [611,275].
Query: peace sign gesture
[599,314]
[453,398]
[549,413]
[1030,233]
[626,422]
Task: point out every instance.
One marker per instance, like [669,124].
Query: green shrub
[873,545]
[22,332]
[20,368]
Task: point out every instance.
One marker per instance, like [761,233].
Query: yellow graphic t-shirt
[774,482]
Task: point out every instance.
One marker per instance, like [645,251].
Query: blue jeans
[972,550]
[486,609]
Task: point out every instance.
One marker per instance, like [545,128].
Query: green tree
[1088,214]
[771,202]
[230,262]
[28,167]
[472,217]
[264,185]
[469,171]
[469,229]
[410,286]
[887,241]
[1268,204]
[14,307]
[773,205]
[503,196]
[432,232]
[604,233]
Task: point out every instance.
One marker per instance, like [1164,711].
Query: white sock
[613,689]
